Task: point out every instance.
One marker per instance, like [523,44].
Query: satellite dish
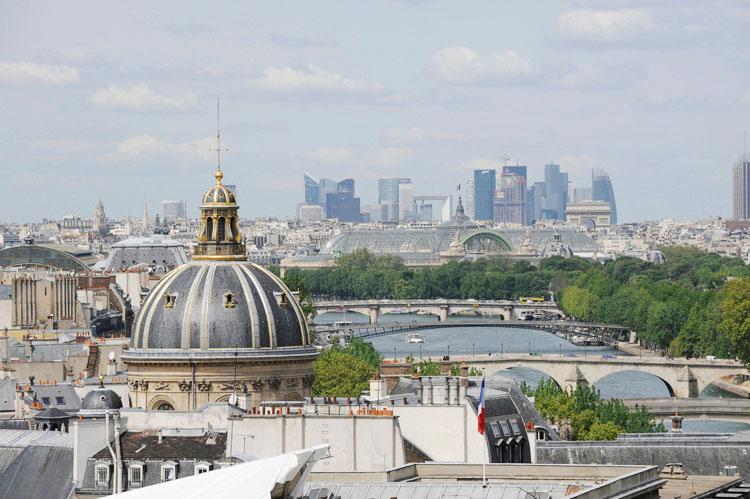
[111,355]
[233,399]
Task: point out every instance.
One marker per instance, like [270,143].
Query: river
[474,341]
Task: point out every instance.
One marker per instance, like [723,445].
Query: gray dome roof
[209,305]
[655,256]
[101,399]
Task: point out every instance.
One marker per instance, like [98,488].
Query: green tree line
[695,304]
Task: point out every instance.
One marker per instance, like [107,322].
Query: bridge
[606,333]
[683,378]
[697,409]
[505,309]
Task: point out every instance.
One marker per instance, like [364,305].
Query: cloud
[30,72]
[605,26]
[312,79]
[463,66]
[480,164]
[141,98]
[418,134]
[149,146]
[331,155]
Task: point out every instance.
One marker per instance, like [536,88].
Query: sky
[117,100]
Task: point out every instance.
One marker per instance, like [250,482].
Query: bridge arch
[644,375]
[501,371]
[486,240]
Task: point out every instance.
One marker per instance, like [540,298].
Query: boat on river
[415,338]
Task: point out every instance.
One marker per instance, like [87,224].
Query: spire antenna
[219,175]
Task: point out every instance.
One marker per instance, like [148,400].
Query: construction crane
[504,158]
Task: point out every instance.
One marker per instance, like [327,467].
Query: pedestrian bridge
[442,308]
[683,378]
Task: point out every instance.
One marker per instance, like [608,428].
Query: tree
[735,316]
[603,431]
[339,374]
[362,350]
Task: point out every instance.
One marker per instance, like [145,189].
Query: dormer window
[101,476]
[202,467]
[168,471]
[229,300]
[169,300]
[135,475]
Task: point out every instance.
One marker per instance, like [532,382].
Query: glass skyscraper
[484,194]
[602,190]
[556,185]
[312,189]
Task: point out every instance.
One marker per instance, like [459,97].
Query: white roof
[253,480]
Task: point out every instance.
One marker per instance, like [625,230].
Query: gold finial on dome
[219,176]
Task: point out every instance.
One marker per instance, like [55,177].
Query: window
[168,472]
[165,406]
[202,468]
[135,475]
[514,425]
[45,400]
[495,430]
[506,429]
[60,400]
[168,300]
[101,476]
[229,300]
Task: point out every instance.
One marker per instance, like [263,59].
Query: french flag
[480,409]
[458,187]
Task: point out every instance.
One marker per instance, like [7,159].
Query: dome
[218,194]
[216,305]
[100,400]
[655,256]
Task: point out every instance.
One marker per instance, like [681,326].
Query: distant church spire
[144,221]
[100,225]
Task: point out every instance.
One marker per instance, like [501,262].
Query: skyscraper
[388,188]
[601,190]
[556,184]
[741,189]
[510,202]
[405,201]
[469,190]
[173,210]
[312,189]
[484,194]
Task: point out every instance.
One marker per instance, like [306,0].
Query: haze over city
[114,101]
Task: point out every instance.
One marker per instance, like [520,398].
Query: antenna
[218,137]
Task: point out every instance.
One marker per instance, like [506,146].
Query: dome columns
[153,384]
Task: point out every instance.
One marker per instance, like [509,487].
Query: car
[495,354]
[608,356]
[571,355]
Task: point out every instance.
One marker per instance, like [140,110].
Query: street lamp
[529,348]
[472,349]
[420,351]
[502,350]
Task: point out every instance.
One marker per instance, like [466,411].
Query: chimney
[531,435]
[111,367]
[4,347]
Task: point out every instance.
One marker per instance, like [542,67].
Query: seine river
[468,341]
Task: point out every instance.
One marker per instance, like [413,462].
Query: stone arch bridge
[505,309]
[683,378]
